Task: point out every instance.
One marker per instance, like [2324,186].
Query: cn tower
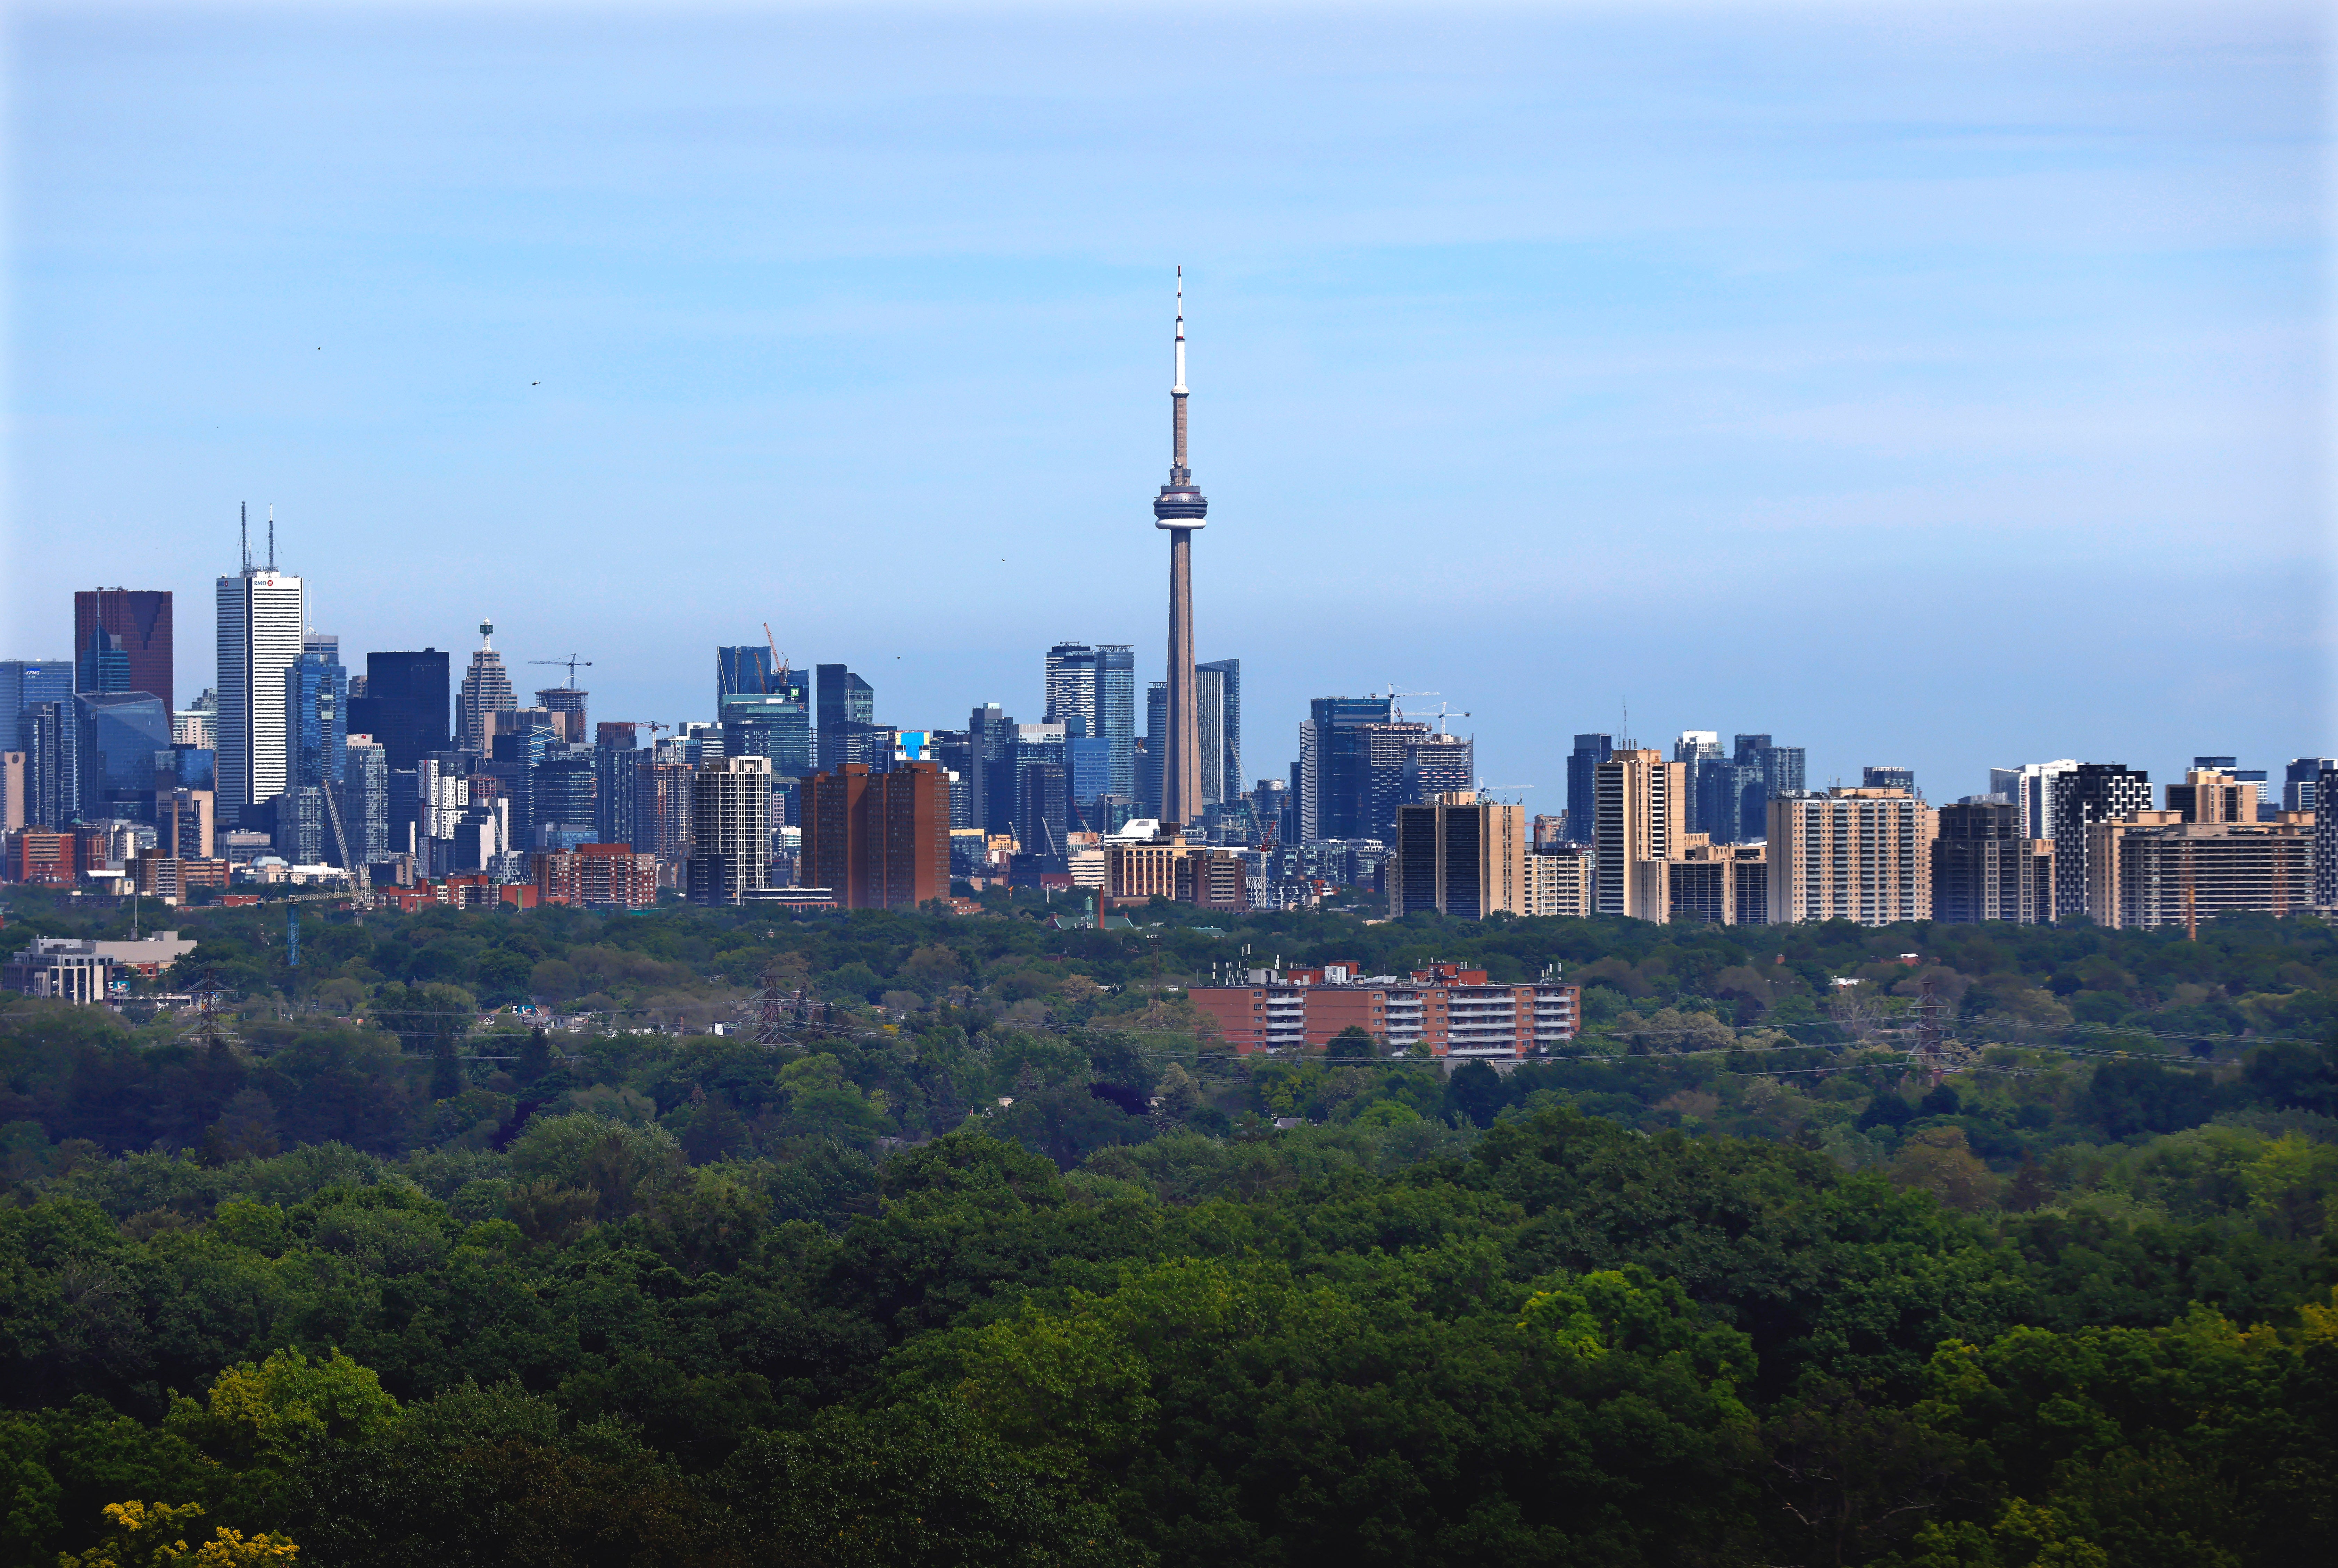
[1181,509]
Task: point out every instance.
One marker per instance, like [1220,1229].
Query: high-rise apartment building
[365,800]
[1115,714]
[132,626]
[1639,815]
[2325,841]
[1459,856]
[1217,687]
[1583,783]
[1439,764]
[404,708]
[2030,788]
[663,807]
[486,692]
[879,840]
[2077,799]
[1859,855]
[1888,776]
[1560,880]
[1705,883]
[1071,678]
[261,623]
[2152,870]
[1985,868]
[730,830]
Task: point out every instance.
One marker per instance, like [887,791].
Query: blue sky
[1938,387]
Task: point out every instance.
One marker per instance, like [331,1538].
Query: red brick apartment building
[1455,1012]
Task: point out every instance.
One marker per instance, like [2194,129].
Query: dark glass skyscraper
[120,733]
[408,696]
[316,690]
[1583,783]
[1117,712]
[846,711]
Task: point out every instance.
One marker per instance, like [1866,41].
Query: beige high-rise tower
[1642,802]
[1180,508]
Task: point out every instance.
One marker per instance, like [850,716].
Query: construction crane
[363,875]
[778,660]
[1396,708]
[572,664]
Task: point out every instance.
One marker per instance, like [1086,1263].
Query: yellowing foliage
[153,1535]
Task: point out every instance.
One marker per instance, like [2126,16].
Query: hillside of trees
[467,1241]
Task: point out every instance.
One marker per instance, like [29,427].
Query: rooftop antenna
[271,536]
[243,529]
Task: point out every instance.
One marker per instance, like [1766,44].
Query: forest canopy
[965,1241]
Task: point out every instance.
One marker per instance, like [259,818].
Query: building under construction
[2151,870]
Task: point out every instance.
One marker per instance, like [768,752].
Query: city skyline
[2005,456]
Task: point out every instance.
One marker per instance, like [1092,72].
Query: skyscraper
[1583,783]
[261,622]
[1861,854]
[846,711]
[730,830]
[1439,764]
[405,705]
[878,840]
[1640,816]
[1460,856]
[1071,686]
[1180,508]
[1984,869]
[566,704]
[487,689]
[2030,787]
[1218,688]
[1150,760]
[1117,712]
[2089,793]
[1335,767]
[138,622]
[316,716]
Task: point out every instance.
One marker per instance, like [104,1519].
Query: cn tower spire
[1180,508]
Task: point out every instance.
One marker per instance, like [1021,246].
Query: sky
[1945,387]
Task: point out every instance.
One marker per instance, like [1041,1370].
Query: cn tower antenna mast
[1181,509]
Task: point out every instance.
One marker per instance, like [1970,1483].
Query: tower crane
[778,660]
[1396,708]
[573,665]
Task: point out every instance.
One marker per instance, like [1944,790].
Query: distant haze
[1933,387]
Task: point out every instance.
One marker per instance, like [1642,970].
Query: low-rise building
[82,969]
[598,876]
[43,858]
[1454,1012]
